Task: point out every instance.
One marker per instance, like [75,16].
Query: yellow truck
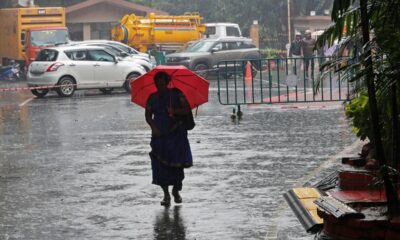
[167,32]
[25,31]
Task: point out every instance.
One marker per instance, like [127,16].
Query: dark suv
[205,54]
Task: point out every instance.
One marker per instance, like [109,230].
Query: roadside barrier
[287,80]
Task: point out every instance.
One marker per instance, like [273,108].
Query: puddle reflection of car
[204,55]
[69,68]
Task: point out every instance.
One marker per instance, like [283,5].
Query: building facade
[94,19]
[313,23]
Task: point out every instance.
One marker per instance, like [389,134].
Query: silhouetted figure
[296,52]
[308,51]
[170,149]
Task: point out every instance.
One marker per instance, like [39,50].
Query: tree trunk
[395,132]
[391,193]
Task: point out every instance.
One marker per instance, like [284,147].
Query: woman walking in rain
[170,149]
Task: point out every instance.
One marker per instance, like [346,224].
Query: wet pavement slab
[78,168]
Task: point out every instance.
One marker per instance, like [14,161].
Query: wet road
[78,168]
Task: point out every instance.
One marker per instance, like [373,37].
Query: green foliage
[383,49]
[346,17]
[378,62]
[270,53]
[358,112]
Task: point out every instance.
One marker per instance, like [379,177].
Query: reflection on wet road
[169,224]
[78,168]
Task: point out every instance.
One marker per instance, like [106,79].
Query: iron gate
[269,81]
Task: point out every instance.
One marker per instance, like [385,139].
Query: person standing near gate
[308,51]
[295,52]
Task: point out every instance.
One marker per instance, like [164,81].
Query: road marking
[26,102]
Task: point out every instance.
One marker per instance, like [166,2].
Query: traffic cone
[249,79]
[248,75]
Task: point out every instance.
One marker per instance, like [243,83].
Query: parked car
[204,55]
[71,68]
[119,52]
[143,61]
[218,30]
[125,48]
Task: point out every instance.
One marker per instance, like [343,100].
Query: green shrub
[270,53]
[358,112]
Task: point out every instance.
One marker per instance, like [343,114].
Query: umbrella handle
[196,111]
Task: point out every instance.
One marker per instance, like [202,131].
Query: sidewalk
[287,225]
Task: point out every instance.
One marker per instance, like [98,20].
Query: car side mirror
[213,50]
[116,59]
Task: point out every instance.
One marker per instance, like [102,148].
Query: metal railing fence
[289,80]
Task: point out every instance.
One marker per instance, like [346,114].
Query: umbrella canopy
[194,87]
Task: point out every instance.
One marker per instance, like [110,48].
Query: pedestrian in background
[170,149]
[308,51]
[295,52]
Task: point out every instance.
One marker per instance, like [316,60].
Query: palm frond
[339,8]
[349,19]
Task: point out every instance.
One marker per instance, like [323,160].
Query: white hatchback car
[125,48]
[117,50]
[69,68]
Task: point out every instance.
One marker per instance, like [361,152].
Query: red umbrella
[194,87]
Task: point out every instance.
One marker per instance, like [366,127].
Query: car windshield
[114,50]
[49,37]
[133,51]
[122,47]
[47,55]
[201,46]
[123,52]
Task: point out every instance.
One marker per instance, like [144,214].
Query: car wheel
[201,69]
[39,92]
[66,87]
[129,79]
[106,90]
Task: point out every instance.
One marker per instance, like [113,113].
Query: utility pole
[289,22]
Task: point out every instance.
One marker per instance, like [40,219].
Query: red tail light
[54,67]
